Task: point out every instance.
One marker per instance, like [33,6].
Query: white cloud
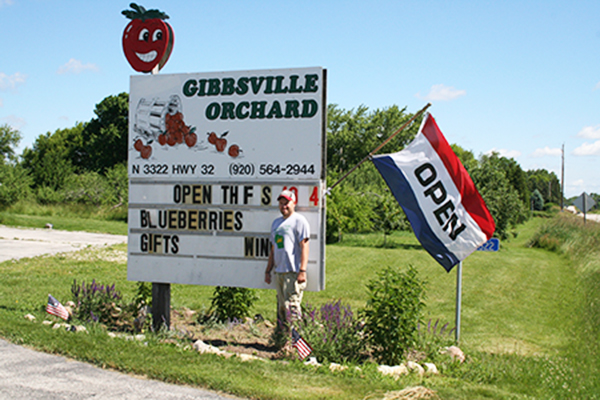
[6,3]
[505,153]
[14,121]
[597,86]
[11,82]
[590,132]
[442,92]
[588,149]
[546,151]
[76,67]
[1,102]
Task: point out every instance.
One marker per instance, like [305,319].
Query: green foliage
[501,198]
[14,185]
[106,136]
[389,216]
[104,304]
[85,188]
[393,312]
[431,338]
[537,201]
[9,139]
[232,303]
[351,135]
[546,183]
[52,159]
[333,332]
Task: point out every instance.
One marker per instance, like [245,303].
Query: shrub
[392,313]
[333,332]
[230,303]
[103,304]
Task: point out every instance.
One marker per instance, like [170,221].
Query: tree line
[87,164]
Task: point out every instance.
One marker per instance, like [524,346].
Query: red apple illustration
[147,39]
[234,150]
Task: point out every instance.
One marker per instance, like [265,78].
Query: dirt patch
[252,336]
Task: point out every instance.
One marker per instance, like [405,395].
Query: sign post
[209,153]
[584,203]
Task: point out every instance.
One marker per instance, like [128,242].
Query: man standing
[289,257]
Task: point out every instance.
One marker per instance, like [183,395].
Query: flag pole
[368,157]
[458,301]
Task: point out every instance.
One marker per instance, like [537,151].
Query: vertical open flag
[300,344]
[55,308]
[438,196]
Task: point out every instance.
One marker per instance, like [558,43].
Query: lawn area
[519,313]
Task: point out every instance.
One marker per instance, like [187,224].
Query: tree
[537,201]
[9,139]
[54,157]
[502,199]
[546,183]
[106,136]
[352,135]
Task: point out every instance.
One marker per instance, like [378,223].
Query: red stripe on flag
[471,199]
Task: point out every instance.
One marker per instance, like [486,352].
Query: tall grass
[580,242]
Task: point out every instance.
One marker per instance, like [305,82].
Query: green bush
[231,303]
[47,195]
[392,313]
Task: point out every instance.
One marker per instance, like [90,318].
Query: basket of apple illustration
[161,121]
[147,38]
[220,143]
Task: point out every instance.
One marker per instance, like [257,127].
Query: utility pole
[562,178]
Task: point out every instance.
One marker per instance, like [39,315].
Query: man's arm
[304,247]
[269,267]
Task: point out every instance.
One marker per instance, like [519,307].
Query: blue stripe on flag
[403,193]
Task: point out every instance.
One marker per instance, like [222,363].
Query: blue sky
[518,77]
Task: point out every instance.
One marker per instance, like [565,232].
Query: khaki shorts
[289,296]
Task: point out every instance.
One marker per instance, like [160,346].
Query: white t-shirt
[286,235]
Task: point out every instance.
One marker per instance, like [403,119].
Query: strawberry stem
[141,13]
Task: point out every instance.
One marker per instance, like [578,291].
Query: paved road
[28,242]
[32,375]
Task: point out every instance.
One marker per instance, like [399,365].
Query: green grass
[525,315]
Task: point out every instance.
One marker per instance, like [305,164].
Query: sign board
[209,153]
[584,202]
[493,244]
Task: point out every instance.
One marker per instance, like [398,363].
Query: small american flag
[300,344]
[55,308]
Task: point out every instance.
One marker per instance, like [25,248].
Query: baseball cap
[287,194]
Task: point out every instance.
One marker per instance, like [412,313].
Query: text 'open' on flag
[439,198]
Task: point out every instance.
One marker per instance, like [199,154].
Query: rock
[78,328]
[312,361]
[431,369]
[30,317]
[249,357]
[415,367]
[203,348]
[63,325]
[455,353]
[46,322]
[269,324]
[333,367]
[395,371]
[49,226]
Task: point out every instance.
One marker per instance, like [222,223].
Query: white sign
[209,153]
